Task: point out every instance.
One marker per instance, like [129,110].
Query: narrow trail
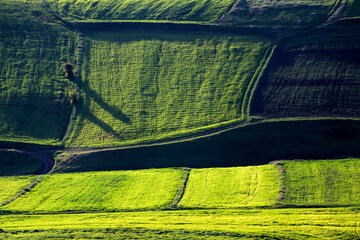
[44,157]
[180,194]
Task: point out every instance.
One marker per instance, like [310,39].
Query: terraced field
[316,183]
[313,81]
[33,94]
[162,86]
[231,187]
[179,10]
[101,191]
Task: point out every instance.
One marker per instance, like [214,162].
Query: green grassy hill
[34,106]
[14,162]
[179,10]
[140,87]
[231,187]
[319,79]
[317,183]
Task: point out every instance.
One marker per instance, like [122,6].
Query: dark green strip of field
[322,79]
[250,145]
[13,162]
[33,92]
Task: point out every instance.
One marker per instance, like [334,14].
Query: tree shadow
[90,93]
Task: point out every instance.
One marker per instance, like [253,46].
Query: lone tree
[69,70]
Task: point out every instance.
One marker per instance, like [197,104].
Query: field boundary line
[22,192]
[246,107]
[181,191]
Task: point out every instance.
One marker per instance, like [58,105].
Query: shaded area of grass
[185,10]
[101,191]
[352,9]
[249,145]
[13,162]
[328,223]
[137,87]
[231,187]
[318,79]
[282,16]
[33,92]
[324,182]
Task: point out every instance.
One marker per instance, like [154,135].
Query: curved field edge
[298,223]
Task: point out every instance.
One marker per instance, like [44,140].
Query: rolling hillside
[162,86]
[34,106]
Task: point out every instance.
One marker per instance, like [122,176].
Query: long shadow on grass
[114,111]
[250,145]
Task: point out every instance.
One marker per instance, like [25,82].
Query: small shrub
[74,97]
[69,70]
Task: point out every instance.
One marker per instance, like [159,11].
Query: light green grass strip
[186,10]
[101,191]
[313,223]
[10,186]
[232,187]
[323,182]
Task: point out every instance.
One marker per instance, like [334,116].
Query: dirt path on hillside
[45,158]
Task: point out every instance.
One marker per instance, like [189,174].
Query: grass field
[188,10]
[323,182]
[34,106]
[249,145]
[10,186]
[101,191]
[13,162]
[311,223]
[231,187]
[140,87]
[311,81]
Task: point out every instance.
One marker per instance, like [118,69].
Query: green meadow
[231,187]
[140,87]
[34,106]
[179,10]
[101,191]
[298,223]
[10,186]
[323,182]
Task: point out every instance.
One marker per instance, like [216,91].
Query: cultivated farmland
[10,186]
[101,191]
[319,183]
[231,187]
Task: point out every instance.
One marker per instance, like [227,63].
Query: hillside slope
[33,93]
